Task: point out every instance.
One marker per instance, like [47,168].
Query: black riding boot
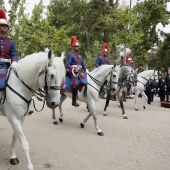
[74,96]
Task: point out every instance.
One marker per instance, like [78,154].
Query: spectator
[148,90]
[161,87]
[167,82]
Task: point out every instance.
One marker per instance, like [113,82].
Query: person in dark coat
[161,87]
[148,91]
[167,82]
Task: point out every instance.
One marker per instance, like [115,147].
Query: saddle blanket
[66,86]
[3,74]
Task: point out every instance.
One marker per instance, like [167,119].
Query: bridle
[46,88]
[41,94]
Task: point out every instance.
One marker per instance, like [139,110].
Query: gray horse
[127,74]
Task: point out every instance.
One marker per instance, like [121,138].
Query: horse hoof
[125,117]
[144,107]
[100,133]
[136,109]
[55,123]
[81,124]
[61,120]
[14,161]
[105,114]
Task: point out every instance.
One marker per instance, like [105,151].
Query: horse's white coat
[29,69]
[100,74]
[142,79]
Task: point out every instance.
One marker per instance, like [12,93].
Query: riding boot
[74,97]
[85,91]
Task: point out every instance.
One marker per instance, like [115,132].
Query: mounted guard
[8,53]
[76,70]
[103,59]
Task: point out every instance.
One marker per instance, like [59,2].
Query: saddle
[66,85]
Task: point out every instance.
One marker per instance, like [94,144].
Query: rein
[97,82]
[147,79]
[36,94]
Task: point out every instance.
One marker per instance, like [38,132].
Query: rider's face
[3,29]
[104,53]
[76,48]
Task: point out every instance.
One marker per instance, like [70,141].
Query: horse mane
[124,71]
[37,62]
[145,72]
[60,68]
[101,68]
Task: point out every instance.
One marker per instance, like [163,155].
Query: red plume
[2,14]
[74,41]
[105,47]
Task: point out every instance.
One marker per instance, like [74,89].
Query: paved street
[141,142]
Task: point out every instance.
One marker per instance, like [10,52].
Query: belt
[4,60]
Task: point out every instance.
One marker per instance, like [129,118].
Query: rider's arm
[68,62]
[13,54]
[98,61]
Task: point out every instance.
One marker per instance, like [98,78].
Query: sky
[30,6]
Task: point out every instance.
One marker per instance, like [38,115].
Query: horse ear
[63,55]
[114,65]
[50,58]
[136,69]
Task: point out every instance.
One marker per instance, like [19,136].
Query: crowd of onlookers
[161,89]
[152,88]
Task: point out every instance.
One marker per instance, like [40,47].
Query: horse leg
[107,103]
[18,132]
[92,110]
[62,98]
[13,160]
[119,96]
[136,99]
[146,99]
[54,117]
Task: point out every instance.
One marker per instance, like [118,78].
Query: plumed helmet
[74,41]
[105,47]
[3,18]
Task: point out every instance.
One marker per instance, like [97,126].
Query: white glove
[14,65]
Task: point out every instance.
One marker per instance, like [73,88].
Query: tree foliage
[92,21]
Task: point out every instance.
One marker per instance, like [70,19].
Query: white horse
[39,70]
[142,79]
[124,73]
[96,80]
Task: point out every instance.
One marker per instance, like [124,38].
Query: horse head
[154,76]
[112,79]
[54,74]
[134,76]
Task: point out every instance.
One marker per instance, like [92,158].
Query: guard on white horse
[96,80]
[142,79]
[76,67]
[35,71]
